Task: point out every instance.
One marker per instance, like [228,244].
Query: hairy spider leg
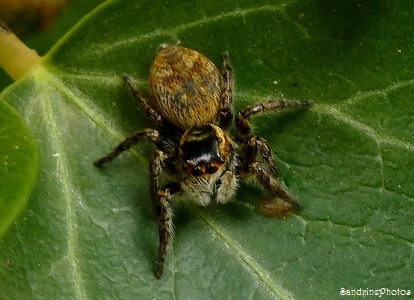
[226,97]
[142,101]
[161,200]
[270,184]
[253,144]
[151,134]
[266,153]
[243,118]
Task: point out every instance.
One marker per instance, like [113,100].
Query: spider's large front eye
[196,172]
[212,169]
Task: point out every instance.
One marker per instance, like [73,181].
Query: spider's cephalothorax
[208,161]
[191,106]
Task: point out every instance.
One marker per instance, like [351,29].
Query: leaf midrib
[64,178]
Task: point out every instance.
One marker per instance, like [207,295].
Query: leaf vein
[364,227]
[113,46]
[263,276]
[94,113]
[378,92]
[63,176]
[369,131]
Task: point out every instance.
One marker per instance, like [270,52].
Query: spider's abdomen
[185,87]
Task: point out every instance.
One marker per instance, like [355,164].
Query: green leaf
[18,165]
[90,233]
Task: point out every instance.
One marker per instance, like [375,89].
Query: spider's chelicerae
[191,106]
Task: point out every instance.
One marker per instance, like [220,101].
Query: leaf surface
[18,165]
[90,233]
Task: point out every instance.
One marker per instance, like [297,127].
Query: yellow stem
[15,57]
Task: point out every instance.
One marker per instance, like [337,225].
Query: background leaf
[18,165]
[89,233]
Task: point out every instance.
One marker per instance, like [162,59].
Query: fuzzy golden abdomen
[185,87]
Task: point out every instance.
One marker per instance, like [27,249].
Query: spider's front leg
[244,130]
[252,145]
[161,198]
[257,144]
[272,207]
[266,174]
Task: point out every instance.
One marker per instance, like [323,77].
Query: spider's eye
[212,169]
[196,172]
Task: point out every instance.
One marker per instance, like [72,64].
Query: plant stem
[15,57]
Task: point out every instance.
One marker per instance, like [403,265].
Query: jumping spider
[191,106]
